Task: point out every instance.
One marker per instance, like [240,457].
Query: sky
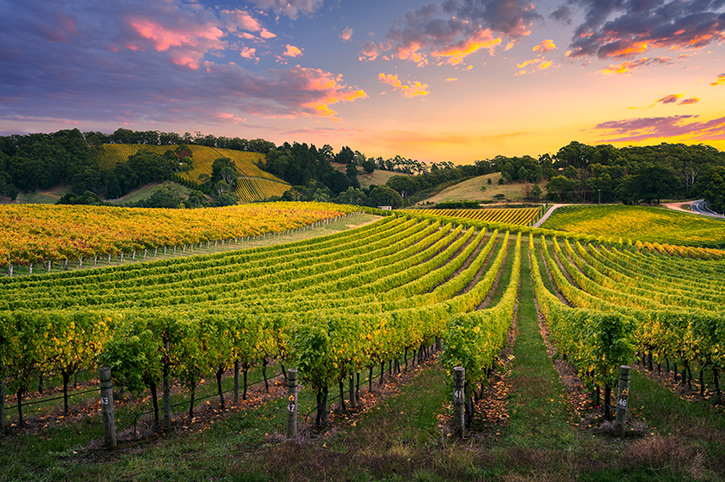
[449,80]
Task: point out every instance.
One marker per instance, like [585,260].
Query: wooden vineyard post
[109,423]
[459,381]
[622,399]
[292,403]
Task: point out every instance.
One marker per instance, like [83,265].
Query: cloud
[691,100]
[669,99]
[627,67]
[538,63]
[111,66]
[625,28]
[292,51]
[249,53]
[456,53]
[187,43]
[545,46]
[677,126]
[453,30]
[289,8]
[346,34]
[719,81]
[410,90]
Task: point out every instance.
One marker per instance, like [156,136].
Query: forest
[576,173]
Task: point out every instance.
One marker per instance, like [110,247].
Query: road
[700,207]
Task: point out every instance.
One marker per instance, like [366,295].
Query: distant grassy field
[50,196]
[148,190]
[470,190]
[254,184]
[643,223]
[377,178]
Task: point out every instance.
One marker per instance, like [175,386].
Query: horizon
[411,78]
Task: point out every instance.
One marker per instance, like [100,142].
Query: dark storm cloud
[625,28]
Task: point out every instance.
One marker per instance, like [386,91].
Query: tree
[655,182]
[384,196]
[224,169]
[535,193]
[560,188]
[711,186]
[369,165]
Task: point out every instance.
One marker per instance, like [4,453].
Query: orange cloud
[541,64]
[627,66]
[292,51]
[413,89]
[691,100]
[719,81]
[528,62]
[545,46]
[454,54]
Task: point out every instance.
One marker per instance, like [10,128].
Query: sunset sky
[451,80]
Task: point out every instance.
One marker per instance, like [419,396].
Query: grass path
[540,414]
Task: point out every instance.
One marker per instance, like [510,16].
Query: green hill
[254,184]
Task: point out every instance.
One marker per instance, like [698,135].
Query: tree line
[575,173]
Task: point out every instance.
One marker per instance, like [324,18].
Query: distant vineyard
[41,233]
[656,225]
[254,184]
[517,216]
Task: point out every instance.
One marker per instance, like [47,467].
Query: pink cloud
[409,90]
[242,20]
[186,42]
[346,34]
[678,126]
[249,53]
[325,88]
[719,81]
[164,38]
[227,116]
[289,8]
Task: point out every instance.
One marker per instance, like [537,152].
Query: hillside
[377,178]
[644,223]
[470,190]
[254,184]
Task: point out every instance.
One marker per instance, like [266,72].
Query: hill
[378,177]
[471,190]
[254,184]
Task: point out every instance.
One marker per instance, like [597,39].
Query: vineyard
[515,216]
[254,184]
[641,223]
[43,234]
[340,306]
